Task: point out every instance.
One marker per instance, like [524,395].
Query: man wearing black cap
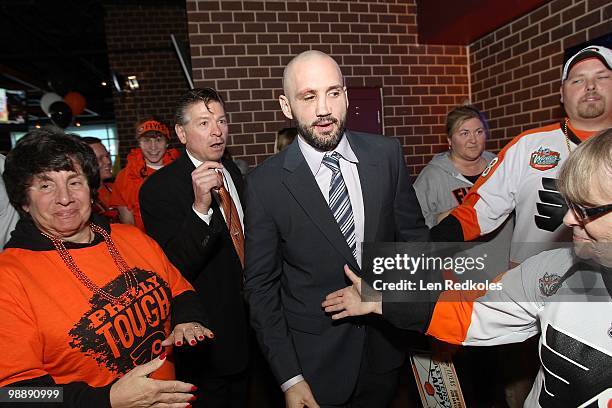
[522,178]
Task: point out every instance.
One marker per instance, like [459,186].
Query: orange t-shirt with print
[52,324]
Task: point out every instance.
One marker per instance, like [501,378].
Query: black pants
[374,390]
[223,392]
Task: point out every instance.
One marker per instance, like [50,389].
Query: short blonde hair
[588,167]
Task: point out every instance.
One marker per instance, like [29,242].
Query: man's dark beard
[327,144]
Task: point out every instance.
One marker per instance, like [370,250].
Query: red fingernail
[192,342]
[193,398]
[179,343]
[212,335]
[200,337]
[162,356]
[193,388]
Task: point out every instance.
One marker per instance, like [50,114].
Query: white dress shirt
[229,186]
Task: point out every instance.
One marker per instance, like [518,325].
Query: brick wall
[516,70]
[241,48]
[138,41]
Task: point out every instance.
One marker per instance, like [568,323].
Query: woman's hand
[135,389]
[189,333]
[347,302]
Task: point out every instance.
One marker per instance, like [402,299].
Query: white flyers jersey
[522,178]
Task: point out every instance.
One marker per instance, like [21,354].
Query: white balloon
[47,99]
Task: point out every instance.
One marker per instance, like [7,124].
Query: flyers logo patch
[460,194]
[544,159]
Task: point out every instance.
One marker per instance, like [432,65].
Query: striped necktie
[339,201]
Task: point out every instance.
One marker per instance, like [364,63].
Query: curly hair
[44,150]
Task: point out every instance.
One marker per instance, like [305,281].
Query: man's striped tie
[339,201]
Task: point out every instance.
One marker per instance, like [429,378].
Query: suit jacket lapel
[371,181]
[302,185]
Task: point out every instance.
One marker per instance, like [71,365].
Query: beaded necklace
[567,142]
[131,283]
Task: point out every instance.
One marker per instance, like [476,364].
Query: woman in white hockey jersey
[564,295]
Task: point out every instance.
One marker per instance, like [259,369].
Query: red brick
[267,38]
[349,17]
[231,5]
[252,5]
[368,18]
[603,28]
[573,12]
[208,5]
[289,17]
[540,40]
[593,4]
[242,139]
[589,20]
[574,40]
[520,24]
[550,49]
[552,74]
[563,31]
[309,17]
[338,7]
[297,6]
[234,49]
[233,27]
[245,38]
[255,149]
[551,22]
[255,27]
[358,7]
[539,14]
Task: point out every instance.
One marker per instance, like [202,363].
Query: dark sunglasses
[587,214]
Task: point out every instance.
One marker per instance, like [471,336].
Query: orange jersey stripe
[452,316]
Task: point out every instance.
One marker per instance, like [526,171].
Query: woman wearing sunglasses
[563,295]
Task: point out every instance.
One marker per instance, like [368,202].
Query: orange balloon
[76,101]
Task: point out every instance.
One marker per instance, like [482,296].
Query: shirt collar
[314,157]
[195,161]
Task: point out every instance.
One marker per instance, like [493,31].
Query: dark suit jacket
[295,254]
[206,256]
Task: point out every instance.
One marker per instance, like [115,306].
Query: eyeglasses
[588,214]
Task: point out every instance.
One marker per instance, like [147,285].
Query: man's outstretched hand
[347,302]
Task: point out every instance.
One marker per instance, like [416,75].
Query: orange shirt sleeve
[118,198]
[20,342]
